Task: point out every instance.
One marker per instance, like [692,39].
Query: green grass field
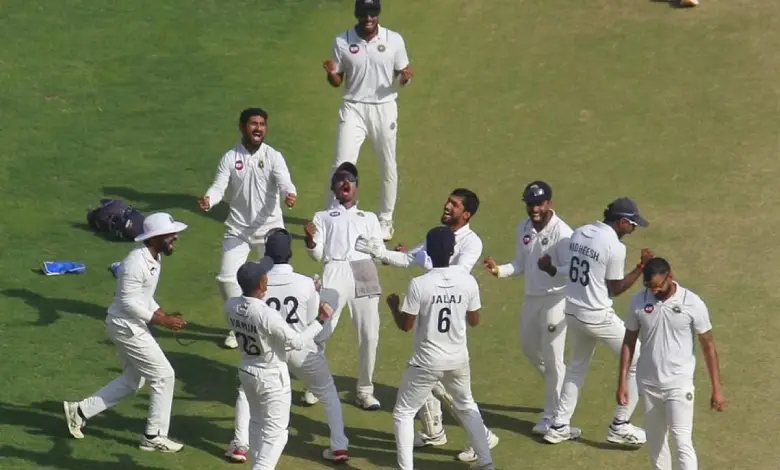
[137,100]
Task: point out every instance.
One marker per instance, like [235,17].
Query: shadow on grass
[50,309]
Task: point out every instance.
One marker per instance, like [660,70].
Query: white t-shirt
[134,305]
[667,357]
[530,246]
[293,295]
[252,185]
[338,230]
[468,250]
[440,298]
[262,334]
[595,254]
[369,66]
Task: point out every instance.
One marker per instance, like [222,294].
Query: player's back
[596,254]
[445,295]
[293,295]
[245,316]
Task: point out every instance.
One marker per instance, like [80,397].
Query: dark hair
[249,112]
[278,257]
[610,216]
[655,267]
[470,199]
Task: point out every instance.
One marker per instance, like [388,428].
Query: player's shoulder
[524,226]
[370,216]
[639,300]
[345,36]
[303,280]
[134,260]
[689,298]
[561,226]
[391,34]
[271,152]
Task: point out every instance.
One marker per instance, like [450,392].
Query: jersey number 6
[444,320]
[248,345]
[579,270]
[291,303]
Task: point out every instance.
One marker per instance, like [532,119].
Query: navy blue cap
[627,209]
[249,273]
[344,171]
[440,241]
[368,7]
[278,245]
[537,192]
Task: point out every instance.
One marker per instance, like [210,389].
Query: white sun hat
[159,223]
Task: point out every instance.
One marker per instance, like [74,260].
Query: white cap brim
[176,227]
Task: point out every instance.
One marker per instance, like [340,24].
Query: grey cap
[627,209]
[249,273]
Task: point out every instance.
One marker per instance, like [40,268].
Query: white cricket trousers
[235,252]
[669,411]
[582,338]
[269,395]
[142,362]
[417,384]
[338,290]
[311,368]
[543,339]
[379,123]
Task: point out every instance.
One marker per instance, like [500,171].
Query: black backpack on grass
[116,219]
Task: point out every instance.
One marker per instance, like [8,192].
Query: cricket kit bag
[117,219]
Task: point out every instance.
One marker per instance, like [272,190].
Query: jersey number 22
[292,307]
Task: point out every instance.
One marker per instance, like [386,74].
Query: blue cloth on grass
[54,268]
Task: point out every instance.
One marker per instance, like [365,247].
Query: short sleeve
[632,320]
[412,299]
[701,317]
[616,263]
[336,56]
[401,57]
[475,302]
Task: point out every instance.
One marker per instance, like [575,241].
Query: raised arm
[314,238]
[401,63]
[216,192]
[277,328]
[281,175]
[616,281]
[333,66]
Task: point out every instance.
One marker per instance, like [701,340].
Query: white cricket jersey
[262,334]
[369,66]
[468,250]
[440,298]
[293,295]
[594,255]
[530,246]
[136,283]
[337,231]
[667,356]
[252,184]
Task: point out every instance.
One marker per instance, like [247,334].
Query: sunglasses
[647,282]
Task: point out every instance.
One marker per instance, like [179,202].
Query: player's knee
[403,413]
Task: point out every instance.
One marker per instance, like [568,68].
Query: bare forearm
[713,365]
[397,318]
[626,357]
[624,284]
[335,79]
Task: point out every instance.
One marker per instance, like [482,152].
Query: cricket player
[595,261]
[462,204]
[445,300]
[542,321]
[251,177]
[667,316]
[297,300]
[143,361]
[349,277]
[264,339]
[366,59]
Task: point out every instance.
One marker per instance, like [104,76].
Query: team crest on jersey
[649,308]
[381,48]
[392,126]
[676,309]
[689,396]
[335,214]
[526,239]
[545,241]
[361,214]
[261,164]
[354,48]
[239,165]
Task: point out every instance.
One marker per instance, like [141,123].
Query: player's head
[253,277]
[252,124]
[344,182]
[461,206]
[440,246]
[657,277]
[160,232]
[538,201]
[367,14]
[278,245]
[623,215]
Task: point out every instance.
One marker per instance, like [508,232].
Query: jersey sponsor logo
[334,214]
[676,309]
[239,165]
[526,239]
[354,48]
[381,48]
[649,308]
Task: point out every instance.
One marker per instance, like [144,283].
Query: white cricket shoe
[423,440]
[558,434]
[626,433]
[230,340]
[468,454]
[72,418]
[367,401]
[689,3]
[387,229]
[335,456]
[160,444]
[309,399]
[236,452]
[542,427]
